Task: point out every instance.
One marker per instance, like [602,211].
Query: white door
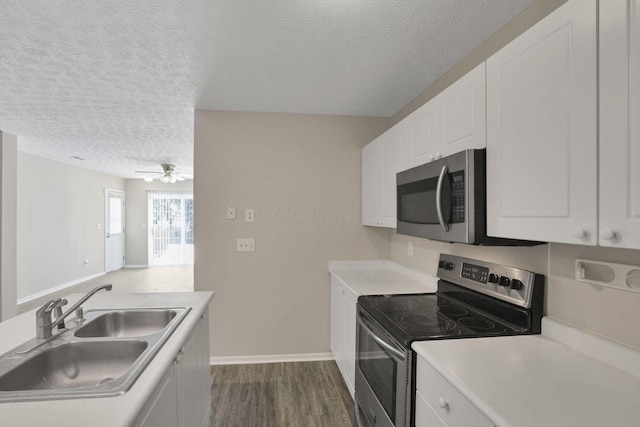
[370,160]
[542,130]
[463,111]
[620,123]
[424,136]
[114,230]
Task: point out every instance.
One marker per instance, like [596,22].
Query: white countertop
[563,378]
[381,278]
[108,411]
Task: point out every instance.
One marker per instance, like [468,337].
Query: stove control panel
[507,283]
[474,272]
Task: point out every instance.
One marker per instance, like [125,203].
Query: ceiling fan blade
[147,172]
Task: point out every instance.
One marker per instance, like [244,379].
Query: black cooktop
[420,317]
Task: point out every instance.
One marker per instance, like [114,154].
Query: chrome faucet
[44,325]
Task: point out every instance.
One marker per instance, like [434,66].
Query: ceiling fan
[168,174]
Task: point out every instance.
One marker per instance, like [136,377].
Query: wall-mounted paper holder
[619,276]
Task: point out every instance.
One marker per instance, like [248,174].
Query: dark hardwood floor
[300,394]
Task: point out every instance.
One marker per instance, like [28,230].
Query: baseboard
[272,358]
[48,293]
[136,266]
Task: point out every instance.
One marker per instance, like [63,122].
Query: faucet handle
[50,305]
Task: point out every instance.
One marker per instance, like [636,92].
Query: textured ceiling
[116,81]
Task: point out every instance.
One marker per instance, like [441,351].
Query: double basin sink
[103,356]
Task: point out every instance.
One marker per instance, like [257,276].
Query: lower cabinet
[343,331]
[161,409]
[439,404]
[183,396]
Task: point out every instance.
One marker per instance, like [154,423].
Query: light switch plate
[231,212]
[248,215]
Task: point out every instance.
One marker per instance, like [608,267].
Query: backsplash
[612,313]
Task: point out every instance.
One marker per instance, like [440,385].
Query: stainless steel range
[474,299]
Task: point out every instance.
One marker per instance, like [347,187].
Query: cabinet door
[424,136]
[336,339]
[463,106]
[370,161]
[541,130]
[162,409]
[620,123]
[349,337]
[390,165]
[193,378]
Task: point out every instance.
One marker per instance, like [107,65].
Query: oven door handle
[399,356]
[443,173]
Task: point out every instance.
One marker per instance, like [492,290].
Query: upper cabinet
[381,161]
[451,122]
[542,130]
[620,123]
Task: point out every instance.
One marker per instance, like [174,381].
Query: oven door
[382,380]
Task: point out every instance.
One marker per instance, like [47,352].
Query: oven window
[380,371]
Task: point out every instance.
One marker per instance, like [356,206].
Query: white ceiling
[116,81]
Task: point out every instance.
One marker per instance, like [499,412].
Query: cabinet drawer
[426,416]
[447,402]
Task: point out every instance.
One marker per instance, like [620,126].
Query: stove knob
[449,266]
[516,284]
[504,281]
[493,278]
[441,264]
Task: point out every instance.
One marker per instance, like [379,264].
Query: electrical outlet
[248,215]
[410,248]
[231,212]
[246,245]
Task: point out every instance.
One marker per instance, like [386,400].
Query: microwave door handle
[443,174]
[399,356]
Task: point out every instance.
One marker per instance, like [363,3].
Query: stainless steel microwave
[445,200]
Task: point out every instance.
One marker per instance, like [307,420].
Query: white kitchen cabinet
[183,396]
[619,190]
[542,130]
[161,410]
[463,109]
[381,160]
[424,136]
[440,404]
[193,377]
[343,331]
[453,121]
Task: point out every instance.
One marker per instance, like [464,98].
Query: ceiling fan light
[172,180]
[148,179]
[164,179]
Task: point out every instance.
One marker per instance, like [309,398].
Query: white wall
[59,207]
[301,174]
[137,217]
[8,219]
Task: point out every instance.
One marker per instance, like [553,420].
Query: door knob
[608,234]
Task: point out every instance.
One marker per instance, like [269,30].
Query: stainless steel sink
[102,357]
[74,365]
[127,323]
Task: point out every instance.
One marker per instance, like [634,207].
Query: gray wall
[137,215]
[59,207]
[301,174]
